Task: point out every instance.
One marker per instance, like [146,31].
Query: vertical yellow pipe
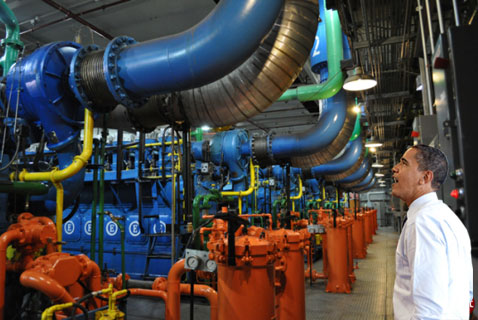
[59,213]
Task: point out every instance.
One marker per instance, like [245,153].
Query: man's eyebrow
[404,160]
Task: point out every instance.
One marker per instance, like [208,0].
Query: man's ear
[427,176]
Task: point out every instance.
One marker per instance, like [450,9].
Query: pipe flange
[74,78]
[110,70]
[261,147]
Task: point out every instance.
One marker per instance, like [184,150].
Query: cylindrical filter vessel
[291,297]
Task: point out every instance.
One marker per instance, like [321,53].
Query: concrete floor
[371,296]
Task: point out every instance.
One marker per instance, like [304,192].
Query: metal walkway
[371,297]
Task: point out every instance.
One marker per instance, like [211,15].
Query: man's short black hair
[432,159]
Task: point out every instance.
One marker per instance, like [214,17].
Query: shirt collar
[418,203]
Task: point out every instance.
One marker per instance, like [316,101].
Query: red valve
[472,305]
[455,193]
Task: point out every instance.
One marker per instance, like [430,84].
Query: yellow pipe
[112,300]
[297,197]
[79,162]
[247,192]
[157,144]
[59,214]
[49,312]
[57,176]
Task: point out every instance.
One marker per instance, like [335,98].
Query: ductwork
[126,72]
[368,186]
[352,155]
[312,147]
[248,90]
[359,180]
[357,174]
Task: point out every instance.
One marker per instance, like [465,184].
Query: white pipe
[425,58]
[455,11]
[440,17]
[430,27]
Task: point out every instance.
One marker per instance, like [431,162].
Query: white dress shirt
[434,274]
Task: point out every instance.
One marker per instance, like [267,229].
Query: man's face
[407,177]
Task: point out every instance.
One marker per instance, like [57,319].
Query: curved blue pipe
[352,153]
[365,188]
[200,55]
[366,181]
[331,121]
[357,174]
[43,99]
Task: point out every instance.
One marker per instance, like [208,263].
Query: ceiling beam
[392,40]
[78,18]
[389,95]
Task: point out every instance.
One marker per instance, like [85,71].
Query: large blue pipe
[331,121]
[365,181]
[351,154]
[200,55]
[370,185]
[357,174]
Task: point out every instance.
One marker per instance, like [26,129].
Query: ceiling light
[377,165]
[206,128]
[358,81]
[378,174]
[356,109]
[381,181]
[373,149]
[382,185]
[373,143]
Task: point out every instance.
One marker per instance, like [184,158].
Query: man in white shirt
[434,274]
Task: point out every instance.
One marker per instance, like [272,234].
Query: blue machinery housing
[145,180]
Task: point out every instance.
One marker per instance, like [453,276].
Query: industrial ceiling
[384,36]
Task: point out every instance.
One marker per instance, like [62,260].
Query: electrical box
[426,126]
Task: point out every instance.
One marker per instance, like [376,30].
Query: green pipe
[335,53]
[197,134]
[18,187]
[357,128]
[94,203]
[274,212]
[123,265]
[102,200]
[11,42]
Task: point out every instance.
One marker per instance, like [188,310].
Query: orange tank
[358,238]
[291,295]
[350,256]
[246,290]
[338,275]
[368,227]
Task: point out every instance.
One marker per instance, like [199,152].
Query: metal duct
[370,185]
[206,52]
[327,153]
[346,173]
[352,154]
[363,169]
[249,89]
[364,182]
[313,147]
[358,181]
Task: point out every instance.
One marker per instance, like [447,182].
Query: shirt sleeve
[429,270]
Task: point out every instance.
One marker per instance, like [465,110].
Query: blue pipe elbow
[366,181]
[365,188]
[331,121]
[225,148]
[357,174]
[200,55]
[346,161]
[40,79]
